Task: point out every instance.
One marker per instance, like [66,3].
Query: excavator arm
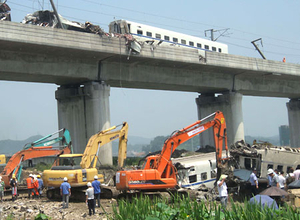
[158,172]
[39,148]
[90,155]
[65,139]
[179,137]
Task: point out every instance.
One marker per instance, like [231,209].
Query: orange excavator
[39,148]
[158,173]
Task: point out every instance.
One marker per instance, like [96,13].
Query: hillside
[273,140]
[135,144]
[9,147]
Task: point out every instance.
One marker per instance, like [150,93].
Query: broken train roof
[242,148]
[48,19]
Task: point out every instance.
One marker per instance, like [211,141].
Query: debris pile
[242,148]
[4,12]
[48,19]
[24,208]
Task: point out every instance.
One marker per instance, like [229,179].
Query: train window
[175,39]
[253,163]
[214,49]
[167,38]
[213,174]
[192,169]
[149,34]
[280,168]
[248,163]
[220,50]
[270,166]
[140,32]
[193,178]
[183,41]
[206,47]
[199,45]
[117,28]
[204,176]
[158,36]
[191,43]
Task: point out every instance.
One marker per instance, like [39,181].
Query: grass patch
[42,166]
[185,208]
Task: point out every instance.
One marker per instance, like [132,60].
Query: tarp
[242,174]
[294,185]
[264,200]
[274,191]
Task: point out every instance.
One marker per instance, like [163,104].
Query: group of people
[35,186]
[13,183]
[92,194]
[275,178]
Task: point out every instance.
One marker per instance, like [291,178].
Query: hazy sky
[29,108]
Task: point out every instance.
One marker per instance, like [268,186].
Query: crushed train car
[196,171]
[4,12]
[263,157]
[49,19]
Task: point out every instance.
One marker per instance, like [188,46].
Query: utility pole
[256,47]
[212,38]
[56,14]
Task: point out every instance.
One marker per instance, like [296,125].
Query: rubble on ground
[24,208]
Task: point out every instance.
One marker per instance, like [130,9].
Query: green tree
[156,144]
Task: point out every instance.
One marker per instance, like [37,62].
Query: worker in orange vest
[35,184]
[283,59]
[30,187]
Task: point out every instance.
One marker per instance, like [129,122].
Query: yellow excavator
[81,168]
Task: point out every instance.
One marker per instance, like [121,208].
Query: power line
[192,30]
[160,16]
[186,21]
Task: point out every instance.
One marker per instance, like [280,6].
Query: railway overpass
[86,65]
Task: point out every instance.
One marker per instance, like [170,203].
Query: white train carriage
[197,170]
[280,158]
[162,36]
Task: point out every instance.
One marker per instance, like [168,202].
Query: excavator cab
[149,162]
[68,161]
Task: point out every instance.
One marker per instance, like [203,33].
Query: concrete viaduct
[86,65]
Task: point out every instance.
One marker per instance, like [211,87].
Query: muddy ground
[24,208]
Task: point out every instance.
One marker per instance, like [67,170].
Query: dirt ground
[24,208]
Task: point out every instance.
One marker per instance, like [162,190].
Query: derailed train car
[197,170]
[4,11]
[263,157]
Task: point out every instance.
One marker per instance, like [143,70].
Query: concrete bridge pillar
[84,111]
[293,107]
[231,106]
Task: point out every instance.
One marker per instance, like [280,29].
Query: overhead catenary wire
[160,16]
[176,19]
